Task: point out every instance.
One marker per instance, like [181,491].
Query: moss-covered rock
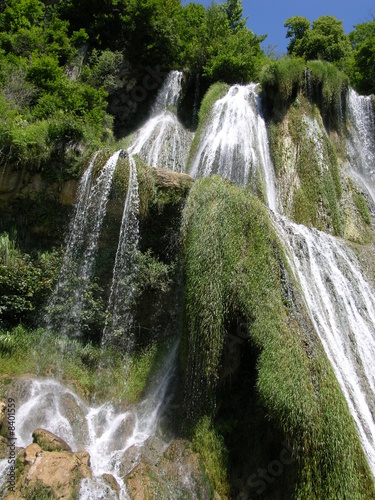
[229,232]
[49,441]
[307,170]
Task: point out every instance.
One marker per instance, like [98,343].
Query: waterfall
[68,300]
[118,325]
[103,431]
[361,140]
[163,141]
[342,307]
[235,142]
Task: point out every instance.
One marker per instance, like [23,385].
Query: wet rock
[49,442]
[139,483]
[166,178]
[152,450]
[149,453]
[68,193]
[123,431]
[177,474]
[111,481]
[129,460]
[76,418]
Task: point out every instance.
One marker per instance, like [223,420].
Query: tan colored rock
[169,179]
[30,454]
[111,481]
[3,409]
[49,442]
[138,483]
[57,473]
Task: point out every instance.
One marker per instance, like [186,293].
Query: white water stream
[342,307]
[103,431]
[76,271]
[235,142]
[361,141]
[118,315]
[163,141]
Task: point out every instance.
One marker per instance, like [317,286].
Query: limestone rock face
[49,442]
[177,473]
[53,473]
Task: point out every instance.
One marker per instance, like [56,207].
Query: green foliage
[25,283]
[325,40]
[362,207]
[123,378]
[237,59]
[329,83]
[229,231]
[320,81]
[282,79]
[152,274]
[213,454]
[361,66]
[297,27]
[49,118]
[102,69]
[234,12]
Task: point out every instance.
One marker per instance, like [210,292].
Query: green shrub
[282,79]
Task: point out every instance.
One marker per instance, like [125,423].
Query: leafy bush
[282,79]
[25,283]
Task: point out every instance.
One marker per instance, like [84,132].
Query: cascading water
[66,305]
[102,431]
[117,331]
[342,307]
[361,140]
[163,141]
[235,143]
[340,302]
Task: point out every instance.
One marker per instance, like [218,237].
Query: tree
[362,62]
[234,12]
[297,26]
[325,40]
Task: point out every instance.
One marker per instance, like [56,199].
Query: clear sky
[268,16]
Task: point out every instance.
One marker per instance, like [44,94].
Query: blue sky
[268,16]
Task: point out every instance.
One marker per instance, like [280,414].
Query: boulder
[56,474]
[3,417]
[49,442]
[111,481]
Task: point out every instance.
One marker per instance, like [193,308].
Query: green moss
[38,491]
[362,207]
[229,232]
[213,454]
[282,79]
[316,201]
[214,93]
[122,377]
[329,84]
